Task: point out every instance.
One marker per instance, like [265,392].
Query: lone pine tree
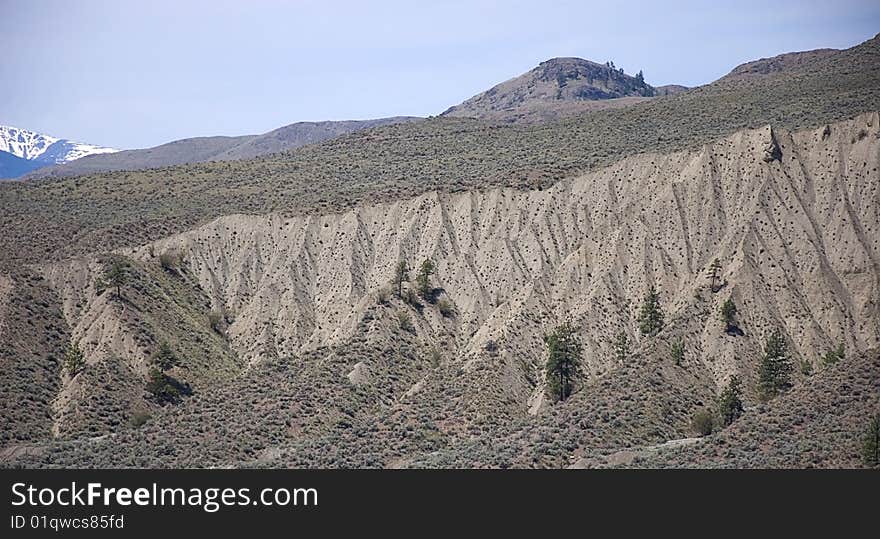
[423,279]
[564,363]
[74,360]
[401,275]
[730,405]
[116,276]
[714,271]
[651,315]
[774,372]
[728,315]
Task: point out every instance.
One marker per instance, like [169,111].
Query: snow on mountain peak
[44,148]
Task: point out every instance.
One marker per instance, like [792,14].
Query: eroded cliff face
[794,220]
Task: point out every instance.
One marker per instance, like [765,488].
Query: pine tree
[401,275]
[730,405]
[165,359]
[871,443]
[564,363]
[116,276]
[640,77]
[651,315]
[423,281]
[774,372]
[74,360]
[714,270]
[728,314]
[621,347]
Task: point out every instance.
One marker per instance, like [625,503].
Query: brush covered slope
[201,149]
[65,217]
[340,372]
[267,280]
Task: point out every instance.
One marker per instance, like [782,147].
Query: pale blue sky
[135,74]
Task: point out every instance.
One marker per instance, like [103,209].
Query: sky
[129,74]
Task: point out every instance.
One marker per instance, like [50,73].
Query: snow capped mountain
[42,150]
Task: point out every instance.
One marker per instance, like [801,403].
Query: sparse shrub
[833,356]
[871,443]
[166,389]
[730,405]
[383,296]
[217,321]
[74,360]
[621,347]
[676,351]
[412,299]
[171,260]
[491,346]
[564,362]
[446,308]
[703,423]
[435,356]
[404,319]
[651,315]
[140,418]
[806,367]
[774,372]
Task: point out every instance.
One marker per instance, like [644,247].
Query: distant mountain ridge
[559,87]
[24,151]
[202,149]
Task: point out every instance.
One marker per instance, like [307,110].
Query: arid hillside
[294,342]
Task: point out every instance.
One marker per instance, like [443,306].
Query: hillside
[303,303]
[65,217]
[201,149]
[269,280]
[554,89]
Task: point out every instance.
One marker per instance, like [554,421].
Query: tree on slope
[651,315]
[774,372]
[730,405]
[401,275]
[423,279]
[564,363]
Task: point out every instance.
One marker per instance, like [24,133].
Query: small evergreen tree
[651,315]
[714,271]
[116,276]
[164,358]
[728,314]
[564,363]
[401,275]
[621,347]
[74,360]
[423,281]
[640,77]
[871,443]
[774,372]
[730,405]
[677,351]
